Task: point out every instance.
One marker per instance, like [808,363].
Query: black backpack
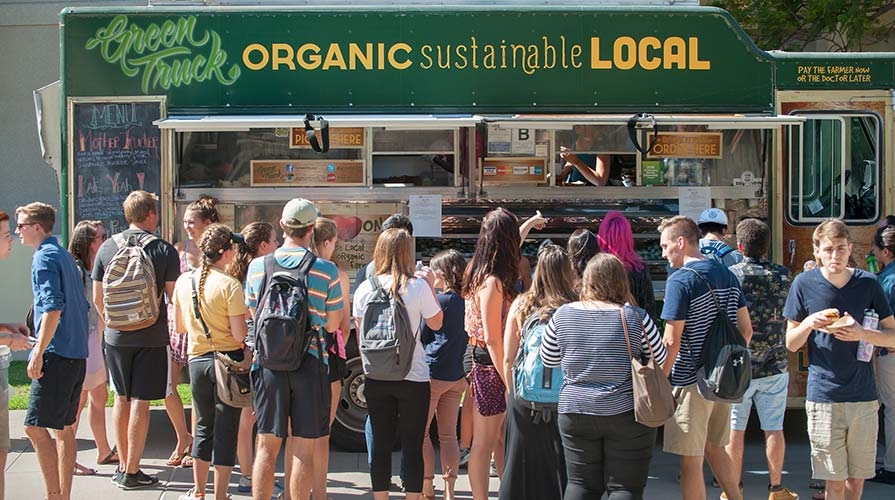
[724,370]
[283,332]
[387,339]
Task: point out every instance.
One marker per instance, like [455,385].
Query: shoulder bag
[654,403]
[234,387]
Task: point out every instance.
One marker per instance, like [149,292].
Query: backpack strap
[724,251]
[714,297]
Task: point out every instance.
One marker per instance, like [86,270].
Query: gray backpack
[387,339]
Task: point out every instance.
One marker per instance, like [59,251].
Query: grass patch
[20,388]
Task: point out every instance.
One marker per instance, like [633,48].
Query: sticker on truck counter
[520,170]
[330,167]
[535,170]
[490,171]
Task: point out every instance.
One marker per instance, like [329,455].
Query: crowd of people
[270,321]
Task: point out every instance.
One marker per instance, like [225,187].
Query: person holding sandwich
[826,308]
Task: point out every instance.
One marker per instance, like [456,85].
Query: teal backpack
[535,386]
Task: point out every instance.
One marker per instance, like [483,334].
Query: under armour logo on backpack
[737,361]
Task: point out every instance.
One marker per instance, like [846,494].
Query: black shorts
[337,368]
[302,396]
[138,372]
[54,399]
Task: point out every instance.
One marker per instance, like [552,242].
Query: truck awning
[242,123]
[711,122]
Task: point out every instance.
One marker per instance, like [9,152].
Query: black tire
[347,431]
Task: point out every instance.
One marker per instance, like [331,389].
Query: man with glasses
[842,400]
[58,362]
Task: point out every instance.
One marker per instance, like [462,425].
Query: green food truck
[446,113]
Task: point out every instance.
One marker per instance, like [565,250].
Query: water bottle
[865,349]
[872,265]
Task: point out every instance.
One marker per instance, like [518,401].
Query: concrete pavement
[349,479]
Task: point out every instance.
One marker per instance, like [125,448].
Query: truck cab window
[834,168]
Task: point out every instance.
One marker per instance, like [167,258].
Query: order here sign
[687,145]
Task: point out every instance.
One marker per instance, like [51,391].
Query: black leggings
[217,424]
[606,454]
[397,409]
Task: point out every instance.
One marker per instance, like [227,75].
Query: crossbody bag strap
[625,330]
[198,313]
[649,346]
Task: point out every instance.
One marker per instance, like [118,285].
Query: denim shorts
[769,396]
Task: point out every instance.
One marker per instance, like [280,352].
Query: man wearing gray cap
[300,398]
[713,224]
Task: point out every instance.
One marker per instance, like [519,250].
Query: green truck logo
[172,54]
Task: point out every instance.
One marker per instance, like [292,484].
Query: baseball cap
[712,216]
[299,213]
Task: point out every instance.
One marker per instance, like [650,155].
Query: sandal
[111,458]
[81,470]
[187,462]
[178,457]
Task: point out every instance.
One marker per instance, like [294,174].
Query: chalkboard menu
[115,149]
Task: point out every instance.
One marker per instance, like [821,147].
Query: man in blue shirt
[58,362]
[841,400]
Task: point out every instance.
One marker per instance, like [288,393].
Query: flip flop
[111,458]
[81,470]
[187,462]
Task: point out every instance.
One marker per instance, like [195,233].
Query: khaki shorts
[843,439]
[696,422]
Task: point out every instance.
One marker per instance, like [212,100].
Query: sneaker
[117,476]
[884,476]
[137,480]
[464,457]
[493,470]
[783,493]
[245,484]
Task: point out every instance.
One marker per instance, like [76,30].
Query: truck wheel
[348,429]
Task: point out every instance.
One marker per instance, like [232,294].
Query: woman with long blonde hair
[398,409]
[535,469]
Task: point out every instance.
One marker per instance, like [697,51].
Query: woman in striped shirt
[605,449]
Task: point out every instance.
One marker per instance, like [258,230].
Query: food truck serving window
[834,168]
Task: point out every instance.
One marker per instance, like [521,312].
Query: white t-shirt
[420,303]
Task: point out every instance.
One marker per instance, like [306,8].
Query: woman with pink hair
[615,237]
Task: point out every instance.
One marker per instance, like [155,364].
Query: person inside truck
[582,167]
